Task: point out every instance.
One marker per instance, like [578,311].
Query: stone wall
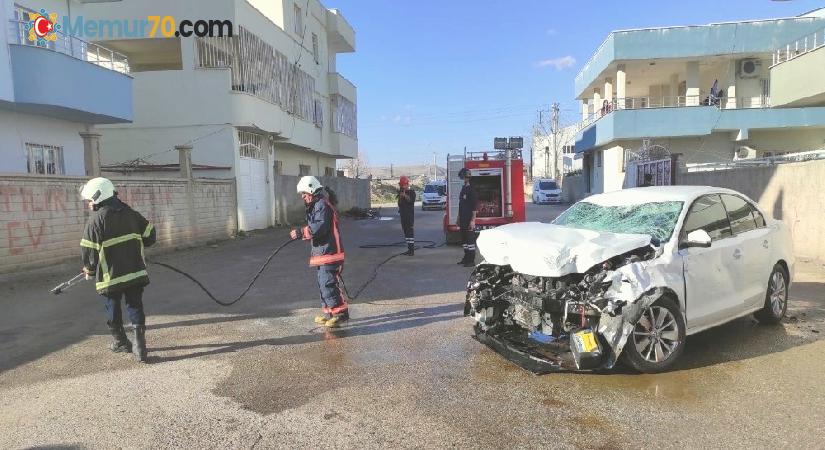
[42,218]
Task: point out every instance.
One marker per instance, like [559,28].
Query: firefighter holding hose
[112,251]
[327,253]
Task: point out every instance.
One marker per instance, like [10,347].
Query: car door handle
[737,253]
[766,244]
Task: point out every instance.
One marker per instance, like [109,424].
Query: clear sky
[435,76]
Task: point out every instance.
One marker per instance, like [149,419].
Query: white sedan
[628,274]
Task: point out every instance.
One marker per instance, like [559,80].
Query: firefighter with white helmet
[327,249]
[112,251]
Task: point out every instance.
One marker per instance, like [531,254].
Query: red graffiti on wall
[17,243]
[29,231]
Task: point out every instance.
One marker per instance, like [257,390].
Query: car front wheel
[658,338]
[776,299]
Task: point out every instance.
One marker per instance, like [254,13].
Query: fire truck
[498,178]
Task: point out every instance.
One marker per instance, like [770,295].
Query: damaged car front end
[571,295]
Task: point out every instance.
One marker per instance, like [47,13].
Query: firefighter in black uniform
[406,206]
[112,249]
[467,208]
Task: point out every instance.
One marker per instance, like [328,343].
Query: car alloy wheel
[776,297]
[778,293]
[656,335]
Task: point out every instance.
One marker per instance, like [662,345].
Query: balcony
[343,87]
[69,79]
[796,75]
[596,112]
[340,34]
[672,122]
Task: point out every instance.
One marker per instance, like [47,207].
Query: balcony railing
[71,46]
[682,101]
[799,47]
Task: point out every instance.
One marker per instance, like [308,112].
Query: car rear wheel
[776,299]
[658,338]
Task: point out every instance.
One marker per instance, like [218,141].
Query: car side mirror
[697,238]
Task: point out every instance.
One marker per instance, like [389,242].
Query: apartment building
[265,101]
[54,89]
[698,94]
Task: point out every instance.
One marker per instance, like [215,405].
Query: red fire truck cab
[498,178]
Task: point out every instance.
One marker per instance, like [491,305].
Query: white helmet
[308,184]
[98,190]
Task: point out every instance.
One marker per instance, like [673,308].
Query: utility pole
[391,174]
[435,168]
[554,126]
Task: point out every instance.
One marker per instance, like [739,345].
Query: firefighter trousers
[468,238]
[134,307]
[407,224]
[333,302]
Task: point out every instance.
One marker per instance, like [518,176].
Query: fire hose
[430,244]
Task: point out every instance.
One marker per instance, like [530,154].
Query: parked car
[628,274]
[434,196]
[546,191]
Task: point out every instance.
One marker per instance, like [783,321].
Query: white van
[546,190]
[434,196]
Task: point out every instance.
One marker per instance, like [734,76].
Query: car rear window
[740,213]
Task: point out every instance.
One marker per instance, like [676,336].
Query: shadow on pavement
[745,338]
[357,327]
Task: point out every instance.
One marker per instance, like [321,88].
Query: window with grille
[315,48]
[329,172]
[299,21]
[319,114]
[45,159]
[259,69]
[303,170]
[278,168]
[599,158]
[344,116]
[251,145]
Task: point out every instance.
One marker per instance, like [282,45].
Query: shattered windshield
[655,219]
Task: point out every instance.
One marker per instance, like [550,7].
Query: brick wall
[42,218]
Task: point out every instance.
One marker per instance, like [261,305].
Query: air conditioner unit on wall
[744,152]
[749,68]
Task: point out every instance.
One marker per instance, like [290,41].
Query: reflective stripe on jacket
[112,247]
[322,230]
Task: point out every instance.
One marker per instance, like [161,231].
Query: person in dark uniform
[327,252]
[406,203]
[112,251]
[467,208]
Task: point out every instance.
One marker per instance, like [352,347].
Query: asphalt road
[404,373]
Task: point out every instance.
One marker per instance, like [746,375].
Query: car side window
[740,213]
[759,218]
[707,213]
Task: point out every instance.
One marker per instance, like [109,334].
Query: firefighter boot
[322,319]
[464,259]
[121,343]
[410,250]
[469,258]
[337,321]
[139,347]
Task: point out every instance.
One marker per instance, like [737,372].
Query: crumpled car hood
[548,250]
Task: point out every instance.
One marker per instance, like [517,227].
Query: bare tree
[356,167]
